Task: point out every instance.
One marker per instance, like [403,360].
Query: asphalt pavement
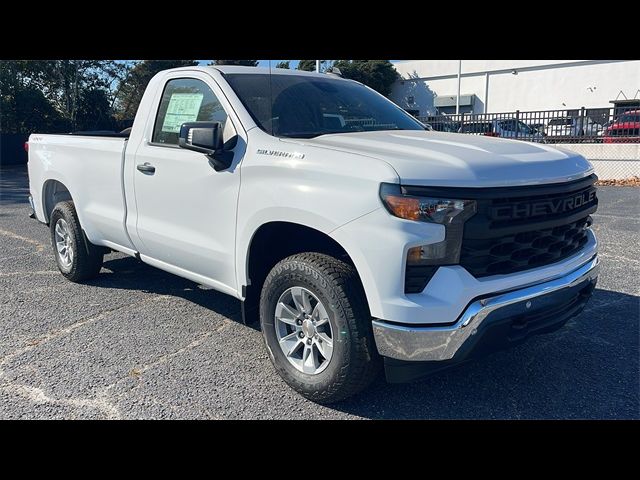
[140,343]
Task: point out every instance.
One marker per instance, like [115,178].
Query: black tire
[87,258]
[355,362]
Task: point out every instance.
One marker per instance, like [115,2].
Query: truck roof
[257,70]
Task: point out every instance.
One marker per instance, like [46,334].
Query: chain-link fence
[618,161]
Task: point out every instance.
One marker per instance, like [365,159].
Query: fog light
[433,251]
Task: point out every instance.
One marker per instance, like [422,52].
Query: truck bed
[90,165]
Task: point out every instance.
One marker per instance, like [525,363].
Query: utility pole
[459,78]
[317,66]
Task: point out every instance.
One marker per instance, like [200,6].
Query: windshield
[635,118]
[523,127]
[560,121]
[304,107]
[511,125]
[484,127]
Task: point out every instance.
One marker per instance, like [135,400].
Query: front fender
[378,243]
[269,215]
[303,184]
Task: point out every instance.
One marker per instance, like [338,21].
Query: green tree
[307,65]
[377,74]
[24,109]
[63,82]
[46,95]
[246,63]
[310,65]
[283,64]
[131,88]
[94,111]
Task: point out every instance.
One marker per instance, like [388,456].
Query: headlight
[423,260]
[425,209]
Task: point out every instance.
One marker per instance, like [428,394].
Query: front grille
[520,251]
[526,227]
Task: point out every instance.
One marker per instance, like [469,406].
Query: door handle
[146,167]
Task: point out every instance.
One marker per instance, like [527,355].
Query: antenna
[270,100]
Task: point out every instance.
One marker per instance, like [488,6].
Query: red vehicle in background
[625,129]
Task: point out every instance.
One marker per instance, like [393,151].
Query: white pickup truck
[356,237]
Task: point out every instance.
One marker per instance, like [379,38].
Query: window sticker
[183,107]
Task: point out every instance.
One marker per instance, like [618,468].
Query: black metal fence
[584,125]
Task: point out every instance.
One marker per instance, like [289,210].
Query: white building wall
[537,84]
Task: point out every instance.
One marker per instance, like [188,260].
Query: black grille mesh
[494,244]
[520,251]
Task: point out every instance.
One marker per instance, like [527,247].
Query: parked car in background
[559,127]
[505,128]
[538,127]
[624,129]
[448,126]
[479,128]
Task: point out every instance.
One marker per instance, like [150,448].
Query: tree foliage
[307,65]
[283,64]
[129,92]
[310,65]
[51,93]
[54,96]
[246,63]
[22,106]
[377,74]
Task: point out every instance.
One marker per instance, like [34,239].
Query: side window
[185,100]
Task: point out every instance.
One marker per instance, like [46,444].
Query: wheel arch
[53,192]
[270,243]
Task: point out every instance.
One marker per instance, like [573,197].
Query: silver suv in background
[504,128]
[572,127]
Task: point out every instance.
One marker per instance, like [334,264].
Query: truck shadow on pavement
[132,274]
[588,369]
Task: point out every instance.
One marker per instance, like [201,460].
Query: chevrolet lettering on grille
[542,207]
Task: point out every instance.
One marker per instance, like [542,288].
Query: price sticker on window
[183,107]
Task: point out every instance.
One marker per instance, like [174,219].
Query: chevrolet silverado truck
[359,240]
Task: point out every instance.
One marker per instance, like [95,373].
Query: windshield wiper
[312,134]
[331,132]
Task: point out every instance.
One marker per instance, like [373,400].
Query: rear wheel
[317,327]
[77,258]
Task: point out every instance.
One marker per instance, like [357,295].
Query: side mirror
[206,137]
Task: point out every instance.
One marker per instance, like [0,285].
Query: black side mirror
[206,137]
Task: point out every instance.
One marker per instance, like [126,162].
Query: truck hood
[452,159]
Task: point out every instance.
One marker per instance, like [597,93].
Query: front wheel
[317,327]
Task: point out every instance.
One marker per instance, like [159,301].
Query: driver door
[185,209]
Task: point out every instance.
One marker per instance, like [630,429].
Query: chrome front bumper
[440,343]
